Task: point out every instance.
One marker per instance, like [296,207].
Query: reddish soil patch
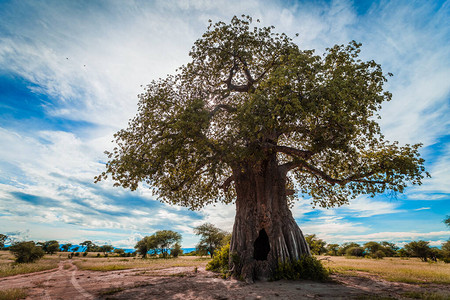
[67,282]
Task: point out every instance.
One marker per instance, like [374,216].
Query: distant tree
[26,252]
[50,247]
[89,246]
[146,244]
[119,251]
[390,249]
[446,247]
[106,248]
[66,247]
[403,253]
[316,245]
[176,250]
[75,249]
[372,247]
[447,221]
[166,239]
[211,238]
[332,249]
[343,248]
[419,249]
[3,239]
[354,251]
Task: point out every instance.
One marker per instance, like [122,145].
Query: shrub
[306,267]
[354,251]
[176,250]
[85,254]
[77,253]
[219,263]
[378,254]
[26,252]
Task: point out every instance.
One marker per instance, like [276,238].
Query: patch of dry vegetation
[119,263]
[9,268]
[13,294]
[410,270]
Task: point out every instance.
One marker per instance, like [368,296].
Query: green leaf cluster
[249,93]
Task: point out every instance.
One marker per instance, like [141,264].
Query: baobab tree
[254,120]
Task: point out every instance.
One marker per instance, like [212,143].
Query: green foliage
[211,238]
[176,250]
[145,245]
[419,249]
[354,251]
[49,247]
[219,263]
[119,251]
[26,252]
[316,245]
[332,249]
[90,246]
[106,249]
[343,248]
[378,254]
[66,247]
[447,221]
[249,94]
[85,254]
[3,239]
[307,267]
[161,241]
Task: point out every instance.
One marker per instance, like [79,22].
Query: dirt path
[68,282]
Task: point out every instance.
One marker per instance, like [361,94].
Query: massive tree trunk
[264,232]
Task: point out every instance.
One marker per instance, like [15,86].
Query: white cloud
[92,62]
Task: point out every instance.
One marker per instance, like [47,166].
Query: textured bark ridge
[264,231]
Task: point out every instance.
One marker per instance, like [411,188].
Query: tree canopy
[211,238]
[249,92]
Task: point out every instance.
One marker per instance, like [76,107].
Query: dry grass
[8,267]
[13,294]
[410,270]
[120,263]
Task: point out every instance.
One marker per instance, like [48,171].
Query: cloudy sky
[70,72]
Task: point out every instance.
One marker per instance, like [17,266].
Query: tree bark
[264,232]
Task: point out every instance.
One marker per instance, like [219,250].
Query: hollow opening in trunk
[261,246]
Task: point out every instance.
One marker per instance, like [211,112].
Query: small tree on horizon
[166,239]
[3,239]
[316,245]
[211,238]
[26,252]
[419,249]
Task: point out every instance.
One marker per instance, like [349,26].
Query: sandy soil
[68,282]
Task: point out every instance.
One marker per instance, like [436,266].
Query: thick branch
[227,183]
[315,171]
[226,107]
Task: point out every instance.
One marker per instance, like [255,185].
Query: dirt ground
[68,282]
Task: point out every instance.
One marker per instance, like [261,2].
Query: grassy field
[410,270]
[8,267]
[122,263]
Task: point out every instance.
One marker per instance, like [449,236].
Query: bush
[85,254]
[354,251]
[26,252]
[219,263]
[176,250]
[306,267]
[378,254]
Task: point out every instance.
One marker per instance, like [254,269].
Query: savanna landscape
[58,277]
[262,142]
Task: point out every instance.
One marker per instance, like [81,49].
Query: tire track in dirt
[65,285]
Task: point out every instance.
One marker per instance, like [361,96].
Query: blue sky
[70,72]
